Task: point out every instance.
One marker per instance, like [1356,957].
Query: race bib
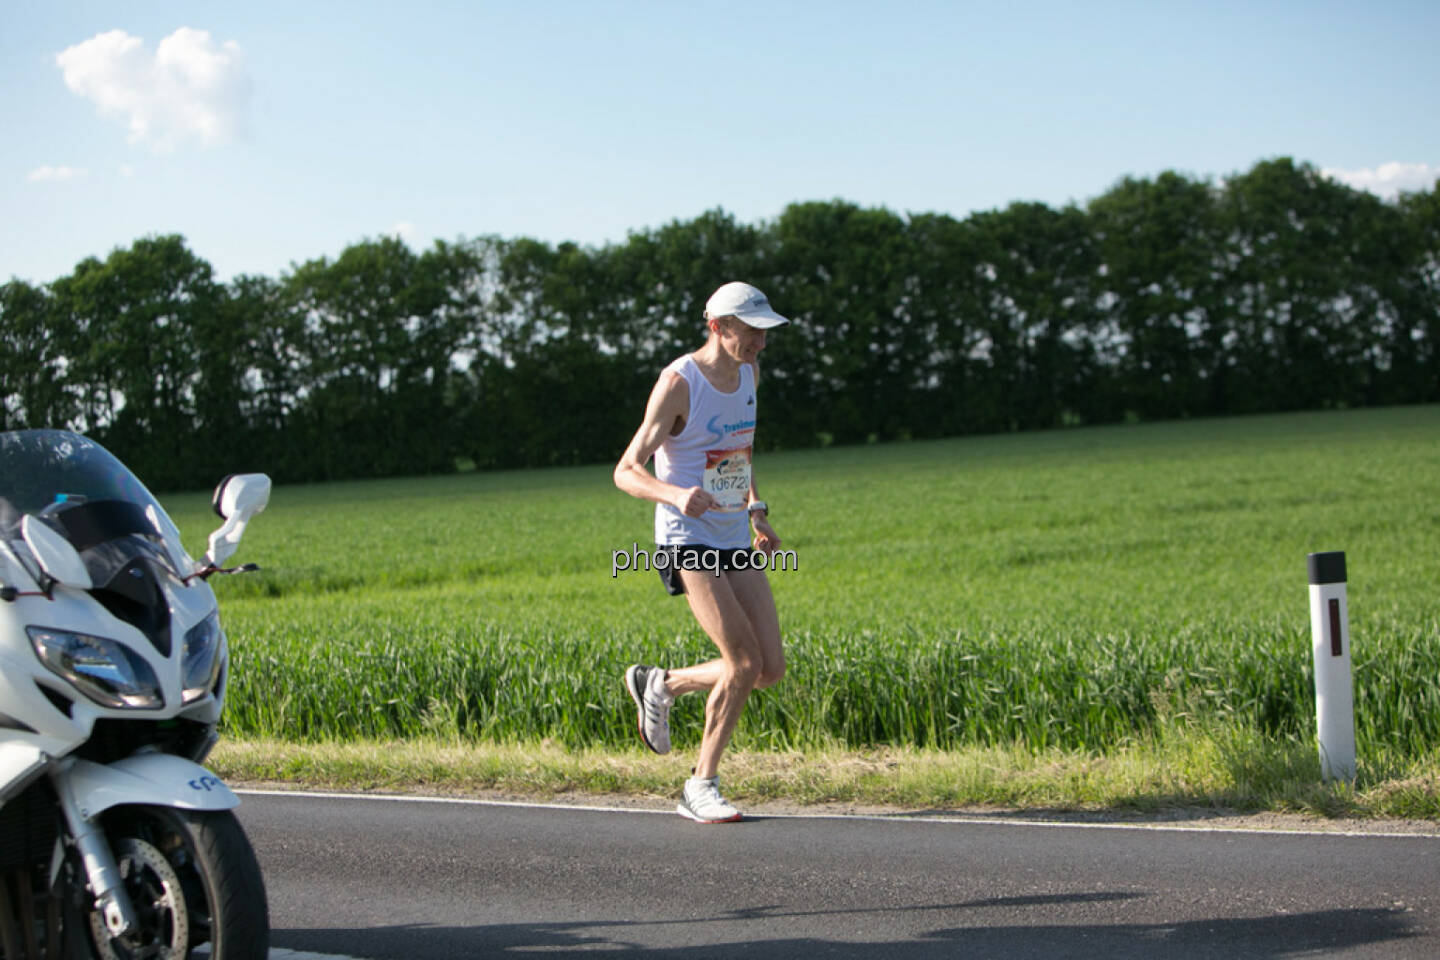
[727,478]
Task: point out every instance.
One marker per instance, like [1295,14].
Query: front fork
[102,872]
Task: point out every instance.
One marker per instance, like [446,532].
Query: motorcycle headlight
[200,657]
[107,672]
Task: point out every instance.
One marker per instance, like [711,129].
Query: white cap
[740,300]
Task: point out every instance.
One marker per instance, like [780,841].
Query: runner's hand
[693,502]
[766,539]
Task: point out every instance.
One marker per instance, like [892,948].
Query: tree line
[1276,289]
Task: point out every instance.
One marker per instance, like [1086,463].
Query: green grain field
[1071,596]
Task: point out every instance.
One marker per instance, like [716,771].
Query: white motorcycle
[115,843]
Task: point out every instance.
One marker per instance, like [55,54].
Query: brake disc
[160,909]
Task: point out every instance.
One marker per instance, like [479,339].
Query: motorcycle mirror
[246,493]
[237,498]
[58,559]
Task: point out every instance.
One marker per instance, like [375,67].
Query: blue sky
[269,134]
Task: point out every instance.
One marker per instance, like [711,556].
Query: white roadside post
[1334,690]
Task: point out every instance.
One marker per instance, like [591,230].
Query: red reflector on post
[1335,639]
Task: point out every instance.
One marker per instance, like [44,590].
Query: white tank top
[712,452]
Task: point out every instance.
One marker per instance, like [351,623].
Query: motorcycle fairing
[154,779]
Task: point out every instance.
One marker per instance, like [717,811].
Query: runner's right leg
[731,678]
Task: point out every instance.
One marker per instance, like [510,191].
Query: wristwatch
[759,505]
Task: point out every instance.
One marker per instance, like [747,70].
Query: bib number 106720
[727,478]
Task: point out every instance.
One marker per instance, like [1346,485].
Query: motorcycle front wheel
[193,879]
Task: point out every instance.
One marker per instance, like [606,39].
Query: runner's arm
[668,405]
[766,538]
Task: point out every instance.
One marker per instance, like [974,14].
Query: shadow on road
[1250,938]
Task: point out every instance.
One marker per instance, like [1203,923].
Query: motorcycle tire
[193,879]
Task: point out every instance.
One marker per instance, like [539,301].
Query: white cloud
[405,230]
[190,88]
[49,173]
[1389,179]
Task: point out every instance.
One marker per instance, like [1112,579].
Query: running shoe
[652,701]
[702,802]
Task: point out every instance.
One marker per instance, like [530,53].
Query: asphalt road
[379,878]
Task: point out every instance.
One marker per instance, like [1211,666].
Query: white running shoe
[652,700]
[703,804]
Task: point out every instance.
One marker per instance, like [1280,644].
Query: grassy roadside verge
[1067,590]
[1225,772]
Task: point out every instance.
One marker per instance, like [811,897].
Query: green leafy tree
[1164,327]
[132,324]
[949,319]
[845,369]
[1414,337]
[568,350]
[34,375]
[382,330]
[1040,312]
[1294,268]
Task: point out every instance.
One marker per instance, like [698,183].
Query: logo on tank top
[718,429]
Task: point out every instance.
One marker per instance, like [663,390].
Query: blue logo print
[718,430]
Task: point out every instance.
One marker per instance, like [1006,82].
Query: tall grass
[1071,590]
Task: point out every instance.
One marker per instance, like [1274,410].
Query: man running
[700,426]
